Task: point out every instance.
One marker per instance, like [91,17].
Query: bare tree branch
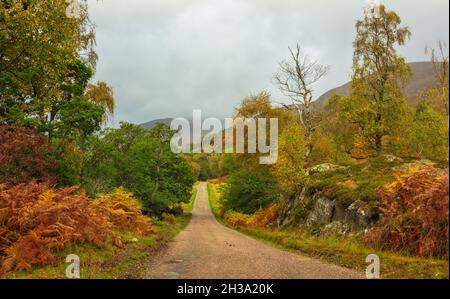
[295,79]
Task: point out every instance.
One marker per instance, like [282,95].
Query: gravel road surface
[207,249]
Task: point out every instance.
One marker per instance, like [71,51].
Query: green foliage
[376,103]
[211,166]
[325,149]
[40,49]
[428,137]
[157,176]
[141,161]
[80,117]
[107,157]
[337,128]
[247,191]
[289,171]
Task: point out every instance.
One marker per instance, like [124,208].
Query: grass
[347,252]
[214,201]
[111,262]
[190,205]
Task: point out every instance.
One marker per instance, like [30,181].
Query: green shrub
[248,191]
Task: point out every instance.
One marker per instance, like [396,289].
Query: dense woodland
[65,178]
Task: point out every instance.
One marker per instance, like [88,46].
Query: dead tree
[295,79]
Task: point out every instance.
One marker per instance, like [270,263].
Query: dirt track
[206,249]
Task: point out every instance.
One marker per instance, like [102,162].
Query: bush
[415,209]
[143,163]
[262,218]
[123,211]
[36,220]
[248,191]
[24,155]
[428,137]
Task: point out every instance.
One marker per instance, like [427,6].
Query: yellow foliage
[360,147]
[324,150]
[289,170]
[348,184]
[262,218]
[169,219]
[124,211]
[46,197]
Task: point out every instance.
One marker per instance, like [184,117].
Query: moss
[367,177]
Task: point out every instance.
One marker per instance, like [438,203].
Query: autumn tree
[251,185]
[295,79]
[378,74]
[290,167]
[101,93]
[39,45]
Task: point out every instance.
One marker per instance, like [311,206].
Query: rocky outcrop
[332,216]
[360,216]
[322,213]
[284,218]
[328,216]
[325,215]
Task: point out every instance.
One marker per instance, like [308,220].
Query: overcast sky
[165,58]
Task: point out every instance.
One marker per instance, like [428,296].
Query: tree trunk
[309,144]
[378,136]
[378,144]
[158,171]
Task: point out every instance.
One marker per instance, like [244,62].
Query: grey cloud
[165,58]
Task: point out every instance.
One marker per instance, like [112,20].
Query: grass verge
[346,252]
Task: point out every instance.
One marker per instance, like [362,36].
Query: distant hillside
[423,76]
[168,121]
[154,123]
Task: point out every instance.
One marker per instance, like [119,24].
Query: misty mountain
[154,123]
[423,76]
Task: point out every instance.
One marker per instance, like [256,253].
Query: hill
[154,123]
[423,76]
